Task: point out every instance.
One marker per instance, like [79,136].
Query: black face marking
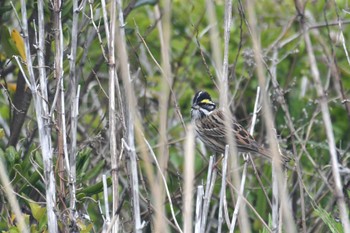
[199,96]
[203,100]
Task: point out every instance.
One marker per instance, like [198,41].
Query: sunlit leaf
[37,211]
[19,43]
[2,133]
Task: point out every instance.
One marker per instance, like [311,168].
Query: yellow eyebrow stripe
[206,101]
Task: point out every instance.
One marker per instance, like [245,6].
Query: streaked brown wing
[213,132]
[244,140]
[210,128]
[212,125]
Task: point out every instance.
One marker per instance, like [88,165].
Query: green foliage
[39,214]
[192,68]
[7,44]
[333,226]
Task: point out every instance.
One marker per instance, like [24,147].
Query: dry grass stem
[84,158]
[199,208]
[188,181]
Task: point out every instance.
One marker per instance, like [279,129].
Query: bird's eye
[207,106]
[210,106]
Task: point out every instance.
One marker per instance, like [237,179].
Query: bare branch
[211,178]
[188,180]
[199,209]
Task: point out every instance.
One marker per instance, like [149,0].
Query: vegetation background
[93,91]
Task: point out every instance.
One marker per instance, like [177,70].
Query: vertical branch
[215,40]
[211,178]
[275,218]
[58,74]
[188,180]
[238,180]
[130,115]
[199,209]
[111,110]
[223,188]
[74,94]
[164,27]
[105,197]
[227,30]
[275,201]
[163,180]
[276,160]
[239,199]
[244,173]
[41,54]
[42,119]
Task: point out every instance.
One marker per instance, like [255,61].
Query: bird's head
[202,105]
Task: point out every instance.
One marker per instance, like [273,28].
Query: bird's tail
[283,155]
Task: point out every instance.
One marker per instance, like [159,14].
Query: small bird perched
[209,124]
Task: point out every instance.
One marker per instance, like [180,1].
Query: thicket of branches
[95,132]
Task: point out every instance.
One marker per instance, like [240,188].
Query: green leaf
[2,133]
[83,160]
[10,157]
[333,225]
[38,212]
[13,229]
[95,170]
[11,154]
[32,179]
[84,228]
[67,10]
[19,43]
[94,189]
[38,158]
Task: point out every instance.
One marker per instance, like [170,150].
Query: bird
[209,125]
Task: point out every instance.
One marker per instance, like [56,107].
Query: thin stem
[43,129]
[188,180]
[165,185]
